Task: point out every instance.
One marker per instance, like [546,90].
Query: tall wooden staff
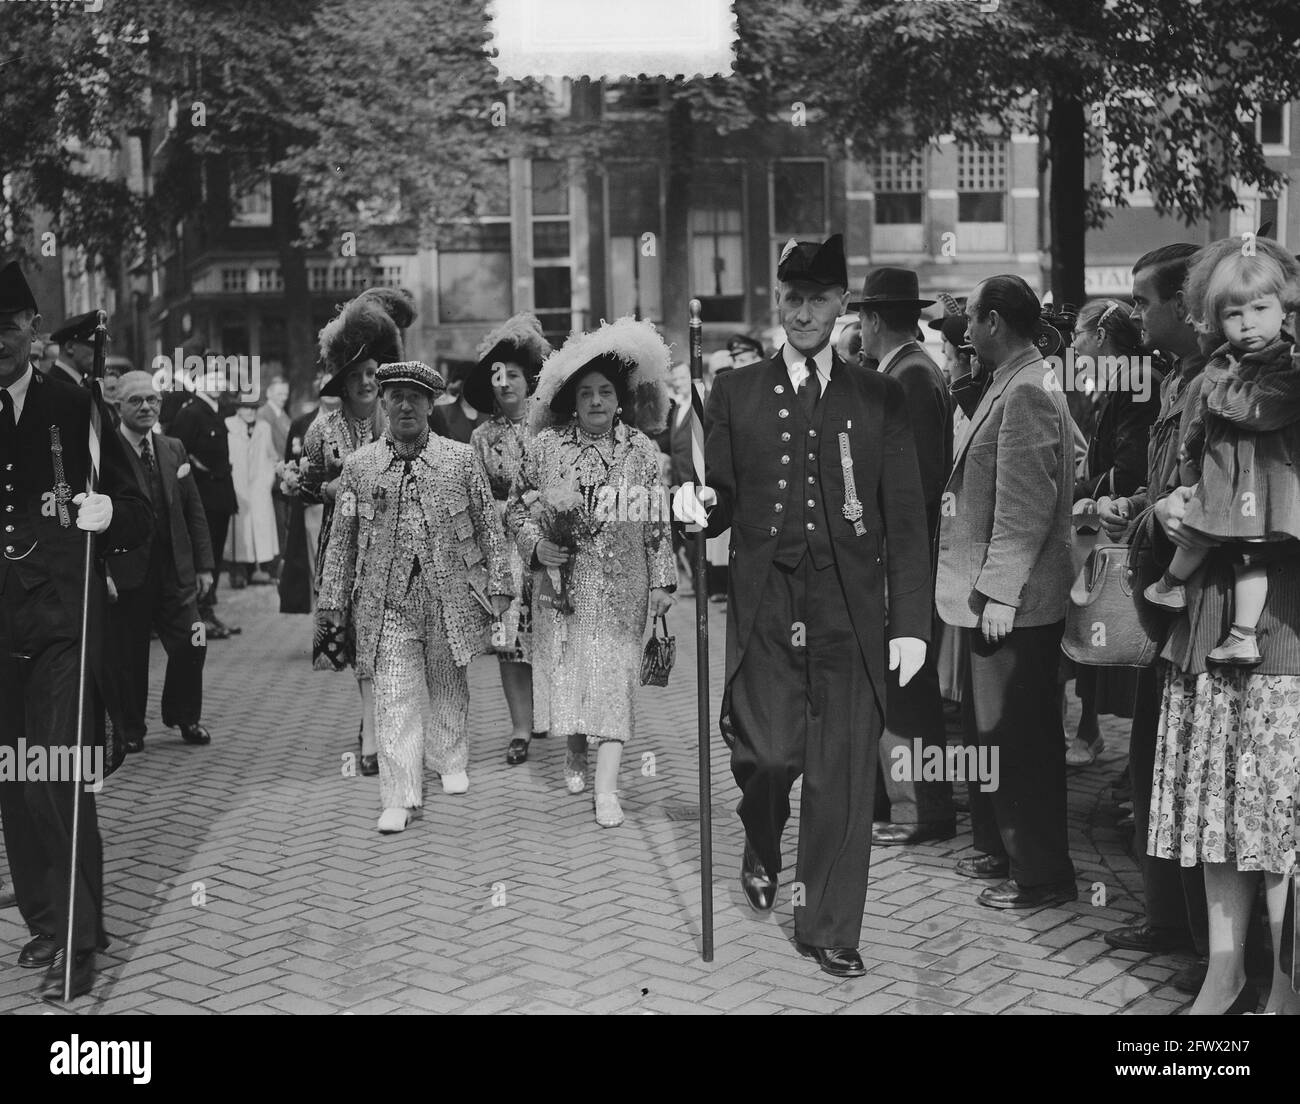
[83,682]
[701,566]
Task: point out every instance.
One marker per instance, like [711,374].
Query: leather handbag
[1108,623]
[659,655]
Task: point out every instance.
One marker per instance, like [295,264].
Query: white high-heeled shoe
[609,813]
[457,783]
[394,820]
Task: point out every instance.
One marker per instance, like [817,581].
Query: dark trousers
[808,710]
[913,717]
[218,528]
[161,603]
[1011,705]
[39,669]
[1175,894]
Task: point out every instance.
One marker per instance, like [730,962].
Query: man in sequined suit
[417,559]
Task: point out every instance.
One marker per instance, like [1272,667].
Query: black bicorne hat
[817,262]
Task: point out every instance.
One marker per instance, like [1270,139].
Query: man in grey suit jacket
[910,809]
[1004,574]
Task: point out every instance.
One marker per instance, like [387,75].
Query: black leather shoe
[758,884]
[894,835]
[984,866]
[538,735]
[1190,978]
[517,752]
[40,953]
[83,977]
[214,630]
[134,743]
[1149,939]
[368,765]
[195,734]
[841,962]
[1012,895]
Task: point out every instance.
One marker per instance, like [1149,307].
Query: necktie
[811,390]
[8,427]
[146,455]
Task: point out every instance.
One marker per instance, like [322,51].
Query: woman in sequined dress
[509,359]
[590,461]
[365,334]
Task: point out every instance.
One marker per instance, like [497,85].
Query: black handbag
[333,647]
[659,655]
[1288,958]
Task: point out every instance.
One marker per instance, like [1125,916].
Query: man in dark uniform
[811,463]
[45,458]
[198,426]
[908,809]
[158,583]
[76,342]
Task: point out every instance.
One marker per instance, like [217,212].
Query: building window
[234,280]
[552,248]
[982,198]
[899,187]
[250,196]
[269,279]
[474,278]
[633,198]
[717,241]
[1271,125]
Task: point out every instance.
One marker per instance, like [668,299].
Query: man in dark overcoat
[45,460]
[811,463]
[911,809]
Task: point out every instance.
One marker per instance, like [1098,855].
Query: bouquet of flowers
[560,512]
[290,473]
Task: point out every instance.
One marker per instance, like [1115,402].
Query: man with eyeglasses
[158,585]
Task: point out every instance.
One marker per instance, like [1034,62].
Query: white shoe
[394,820]
[1084,755]
[575,771]
[609,813]
[1172,598]
[457,783]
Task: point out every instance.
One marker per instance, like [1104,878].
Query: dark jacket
[929,405]
[191,544]
[203,433]
[1117,452]
[743,451]
[45,543]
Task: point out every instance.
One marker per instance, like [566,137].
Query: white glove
[94,512]
[906,654]
[691,504]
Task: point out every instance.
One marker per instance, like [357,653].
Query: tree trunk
[677,288]
[300,340]
[1068,197]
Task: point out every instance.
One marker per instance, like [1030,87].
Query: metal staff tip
[697,309]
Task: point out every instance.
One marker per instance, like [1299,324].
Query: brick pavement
[248,877]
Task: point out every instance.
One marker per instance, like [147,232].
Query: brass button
[812,479]
[779,389]
[9,486]
[9,528]
[810,527]
[785,459]
[781,484]
[9,467]
[812,456]
[783,413]
[785,436]
[771,533]
[9,547]
[778,507]
[812,433]
[812,502]
[9,509]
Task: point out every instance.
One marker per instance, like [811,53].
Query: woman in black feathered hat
[509,360]
[366,333]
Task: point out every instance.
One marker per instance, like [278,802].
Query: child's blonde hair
[1232,271]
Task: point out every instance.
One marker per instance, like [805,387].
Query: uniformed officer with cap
[76,342]
[44,467]
[811,462]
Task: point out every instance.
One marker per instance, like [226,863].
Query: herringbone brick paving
[248,876]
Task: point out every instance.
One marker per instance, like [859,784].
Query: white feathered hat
[633,350]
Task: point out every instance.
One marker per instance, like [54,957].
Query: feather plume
[523,330]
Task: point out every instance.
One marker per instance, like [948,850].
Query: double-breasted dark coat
[884,572]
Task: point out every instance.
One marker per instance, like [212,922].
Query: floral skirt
[1226,787]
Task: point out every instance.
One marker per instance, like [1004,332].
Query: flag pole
[700,563]
[83,682]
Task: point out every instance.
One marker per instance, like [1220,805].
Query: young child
[1245,438]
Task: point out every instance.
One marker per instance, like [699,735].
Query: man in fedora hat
[417,559]
[812,465]
[45,459]
[910,809]
[1004,574]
